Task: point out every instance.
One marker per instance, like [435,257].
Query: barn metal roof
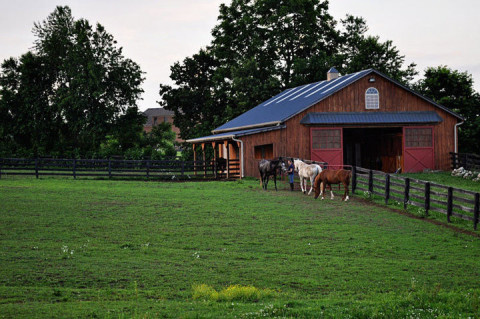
[234,134]
[329,118]
[290,102]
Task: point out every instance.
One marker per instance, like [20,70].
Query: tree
[361,52]
[454,89]
[75,83]
[261,47]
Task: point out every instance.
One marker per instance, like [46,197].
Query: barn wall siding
[392,99]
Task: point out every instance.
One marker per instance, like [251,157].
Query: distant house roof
[156,112]
[330,118]
[290,102]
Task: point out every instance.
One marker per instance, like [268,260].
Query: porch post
[194,159]
[214,144]
[228,159]
[204,163]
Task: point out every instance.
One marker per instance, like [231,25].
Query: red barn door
[418,151]
[327,146]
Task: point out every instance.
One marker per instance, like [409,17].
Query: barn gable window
[372,99]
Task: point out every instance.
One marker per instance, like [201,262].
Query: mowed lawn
[122,249]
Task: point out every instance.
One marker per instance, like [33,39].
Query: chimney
[332,74]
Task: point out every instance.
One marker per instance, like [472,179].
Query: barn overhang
[234,134]
[371,118]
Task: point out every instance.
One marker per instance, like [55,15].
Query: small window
[264,151]
[326,139]
[372,99]
[154,120]
[418,137]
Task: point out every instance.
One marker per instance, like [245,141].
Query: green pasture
[121,249]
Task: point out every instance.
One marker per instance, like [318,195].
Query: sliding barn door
[418,151]
[327,146]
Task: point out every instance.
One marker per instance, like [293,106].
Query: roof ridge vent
[332,74]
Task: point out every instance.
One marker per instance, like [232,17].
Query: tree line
[261,47]
[75,94]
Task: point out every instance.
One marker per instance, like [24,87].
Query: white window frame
[372,100]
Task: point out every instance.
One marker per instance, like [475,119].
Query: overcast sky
[155,34]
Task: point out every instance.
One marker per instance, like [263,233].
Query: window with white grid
[372,99]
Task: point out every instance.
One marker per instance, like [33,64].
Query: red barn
[365,119]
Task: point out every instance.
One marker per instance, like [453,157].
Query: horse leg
[331,192]
[305,186]
[345,196]
[322,189]
[275,181]
[311,184]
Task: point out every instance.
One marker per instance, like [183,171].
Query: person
[290,172]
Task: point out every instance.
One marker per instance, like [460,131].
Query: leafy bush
[231,293]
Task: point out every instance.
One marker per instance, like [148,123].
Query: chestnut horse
[329,177]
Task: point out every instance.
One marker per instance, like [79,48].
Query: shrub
[231,293]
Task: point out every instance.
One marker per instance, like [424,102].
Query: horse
[267,168]
[329,177]
[306,171]
[221,165]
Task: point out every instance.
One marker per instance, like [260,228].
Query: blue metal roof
[329,118]
[234,134]
[290,102]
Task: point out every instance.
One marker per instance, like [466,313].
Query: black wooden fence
[150,169]
[425,195]
[465,160]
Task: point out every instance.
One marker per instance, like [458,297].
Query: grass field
[122,249]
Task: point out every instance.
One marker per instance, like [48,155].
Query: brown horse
[329,177]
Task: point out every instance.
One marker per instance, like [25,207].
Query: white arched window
[372,99]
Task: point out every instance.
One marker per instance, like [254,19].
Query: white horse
[305,172]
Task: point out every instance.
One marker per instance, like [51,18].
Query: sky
[156,34]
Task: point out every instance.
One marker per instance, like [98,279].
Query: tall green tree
[360,51]
[261,47]
[454,89]
[76,78]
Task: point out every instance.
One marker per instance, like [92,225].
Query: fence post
[183,167]
[449,203]
[370,181]
[427,198]
[148,169]
[475,211]
[387,188]
[74,168]
[0,170]
[406,196]
[36,167]
[109,168]
[354,179]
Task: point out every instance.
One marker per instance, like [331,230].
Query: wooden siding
[392,99]
[277,138]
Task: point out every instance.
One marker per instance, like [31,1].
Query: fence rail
[151,169]
[425,195]
[465,160]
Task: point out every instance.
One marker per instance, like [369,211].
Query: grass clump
[231,293]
